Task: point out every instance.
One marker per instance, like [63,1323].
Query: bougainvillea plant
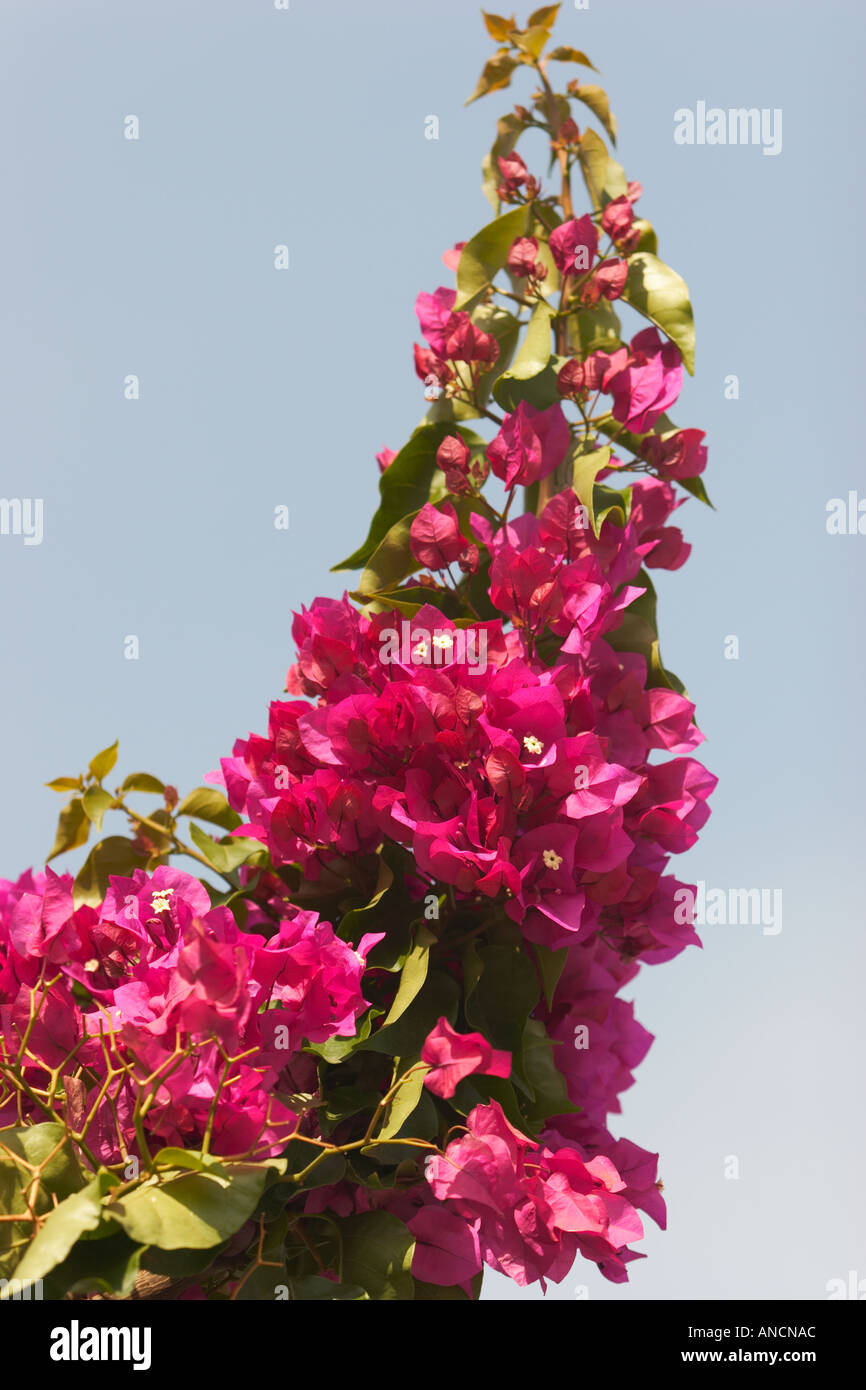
[385,1050]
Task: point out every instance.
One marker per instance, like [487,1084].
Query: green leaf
[314,1289]
[505,995]
[113,855]
[550,967]
[377,1255]
[412,976]
[405,1102]
[609,504]
[662,296]
[359,919]
[101,765]
[190,1211]
[597,101]
[540,1071]
[594,329]
[195,1161]
[604,178]
[209,803]
[638,632]
[342,1103]
[230,852]
[406,484]
[648,239]
[483,256]
[392,561]
[97,801]
[109,1265]
[696,487]
[142,782]
[337,1049]
[529,364]
[438,998]
[586,465]
[60,1230]
[505,328]
[64,784]
[508,131]
[299,1155]
[565,54]
[73,828]
[496,74]
[268,1269]
[46,1147]
[497,27]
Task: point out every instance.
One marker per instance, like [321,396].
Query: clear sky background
[261,388]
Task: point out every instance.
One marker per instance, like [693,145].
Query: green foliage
[663,297]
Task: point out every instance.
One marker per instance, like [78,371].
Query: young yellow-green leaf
[532,40]
[662,296]
[497,27]
[103,762]
[586,465]
[405,1101]
[142,782]
[597,101]
[546,15]
[115,855]
[412,976]
[209,803]
[648,239]
[64,784]
[73,828]
[497,73]
[565,54]
[604,178]
[96,802]
[229,855]
[486,254]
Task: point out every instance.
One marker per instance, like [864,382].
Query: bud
[171,798]
[452,457]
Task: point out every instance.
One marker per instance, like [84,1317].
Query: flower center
[552,859]
[532,744]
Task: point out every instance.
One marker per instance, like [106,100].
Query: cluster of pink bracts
[510,780]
